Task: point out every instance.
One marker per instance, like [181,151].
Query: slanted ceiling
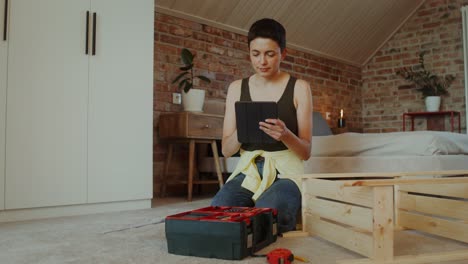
[346,30]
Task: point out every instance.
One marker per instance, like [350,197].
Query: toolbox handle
[256,229]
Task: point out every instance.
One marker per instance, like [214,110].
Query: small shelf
[431,115]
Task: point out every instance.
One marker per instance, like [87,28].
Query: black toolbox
[221,232]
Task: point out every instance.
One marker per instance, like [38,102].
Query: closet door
[120,101]
[3,78]
[46,127]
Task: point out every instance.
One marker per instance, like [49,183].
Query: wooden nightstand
[191,128]
[339,130]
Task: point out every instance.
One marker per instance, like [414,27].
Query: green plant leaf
[203,78]
[426,82]
[186,68]
[188,86]
[187,56]
[179,77]
[183,83]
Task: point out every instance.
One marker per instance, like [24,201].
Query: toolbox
[225,232]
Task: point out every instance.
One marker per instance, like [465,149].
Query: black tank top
[286,113]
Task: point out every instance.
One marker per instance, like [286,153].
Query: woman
[254,182]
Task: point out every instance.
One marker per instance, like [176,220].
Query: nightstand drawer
[191,125]
[205,126]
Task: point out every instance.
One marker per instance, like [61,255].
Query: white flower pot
[193,100]
[432,103]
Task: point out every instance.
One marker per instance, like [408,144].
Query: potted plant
[432,86]
[192,99]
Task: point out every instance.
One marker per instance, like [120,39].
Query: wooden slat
[389,182]
[344,213]
[454,190]
[335,190]
[383,223]
[415,259]
[435,206]
[295,234]
[396,202]
[435,226]
[345,237]
[380,174]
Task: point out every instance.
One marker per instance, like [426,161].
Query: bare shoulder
[301,89]
[301,85]
[235,89]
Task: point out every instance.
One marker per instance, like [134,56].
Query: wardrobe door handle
[87,33]
[5,19]
[94,34]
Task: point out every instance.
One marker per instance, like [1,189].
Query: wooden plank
[214,149]
[344,213]
[454,190]
[415,259]
[436,226]
[396,202]
[345,237]
[434,205]
[383,223]
[379,174]
[389,182]
[295,234]
[335,190]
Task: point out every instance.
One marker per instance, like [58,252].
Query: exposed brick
[215,49]
[179,31]
[224,56]
[435,27]
[383,58]
[212,30]
[203,37]
[171,40]
[224,42]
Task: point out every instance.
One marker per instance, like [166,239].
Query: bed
[371,152]
[388,152]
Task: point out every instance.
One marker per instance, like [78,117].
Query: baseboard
[71,210]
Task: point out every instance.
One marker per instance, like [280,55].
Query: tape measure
[280,256]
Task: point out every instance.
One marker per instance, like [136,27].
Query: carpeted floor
[138,237]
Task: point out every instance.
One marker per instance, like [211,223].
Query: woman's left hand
[275,128]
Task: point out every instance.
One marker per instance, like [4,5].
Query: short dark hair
[268,28]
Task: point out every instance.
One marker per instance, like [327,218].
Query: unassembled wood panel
[334,190]
[439,215]
[340,235]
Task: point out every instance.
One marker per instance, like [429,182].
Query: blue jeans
[283,195]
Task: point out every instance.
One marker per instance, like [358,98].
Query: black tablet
[248,115]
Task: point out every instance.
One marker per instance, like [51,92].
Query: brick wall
[437,28]
[223,57]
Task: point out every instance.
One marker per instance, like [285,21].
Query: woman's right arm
[230,144]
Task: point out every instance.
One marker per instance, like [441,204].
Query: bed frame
[362,211]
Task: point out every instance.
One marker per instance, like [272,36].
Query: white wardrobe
[76,95]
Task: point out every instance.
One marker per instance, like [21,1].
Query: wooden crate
[362,211]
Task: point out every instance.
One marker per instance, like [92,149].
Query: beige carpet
[133,237]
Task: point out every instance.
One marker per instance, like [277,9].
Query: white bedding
[384,152]
[417,143]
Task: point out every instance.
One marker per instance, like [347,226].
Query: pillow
[320,126]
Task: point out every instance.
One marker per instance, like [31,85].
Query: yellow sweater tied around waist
[284,161]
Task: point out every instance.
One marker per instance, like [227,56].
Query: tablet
[248,115]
